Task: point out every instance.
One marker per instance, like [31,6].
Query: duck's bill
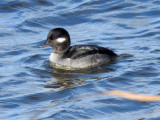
[45,44]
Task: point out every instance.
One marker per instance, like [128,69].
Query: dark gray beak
[45,44]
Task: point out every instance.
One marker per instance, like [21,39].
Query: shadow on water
[70,78]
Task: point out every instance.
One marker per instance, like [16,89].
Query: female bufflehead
[65,56]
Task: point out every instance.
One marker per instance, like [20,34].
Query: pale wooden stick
[134,96]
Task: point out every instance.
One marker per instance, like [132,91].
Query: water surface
[30,90]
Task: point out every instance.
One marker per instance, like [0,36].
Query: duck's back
[79,51]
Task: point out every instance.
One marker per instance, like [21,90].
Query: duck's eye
[52,37]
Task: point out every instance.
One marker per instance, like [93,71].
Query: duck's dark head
[59,39]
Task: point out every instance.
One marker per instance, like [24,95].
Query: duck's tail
[124,56]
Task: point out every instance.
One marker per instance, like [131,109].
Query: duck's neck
[60,50]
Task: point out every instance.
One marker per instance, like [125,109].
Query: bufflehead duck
[65,56]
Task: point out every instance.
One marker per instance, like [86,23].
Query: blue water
[31,90]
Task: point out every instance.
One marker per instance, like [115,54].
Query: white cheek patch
[60,40]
